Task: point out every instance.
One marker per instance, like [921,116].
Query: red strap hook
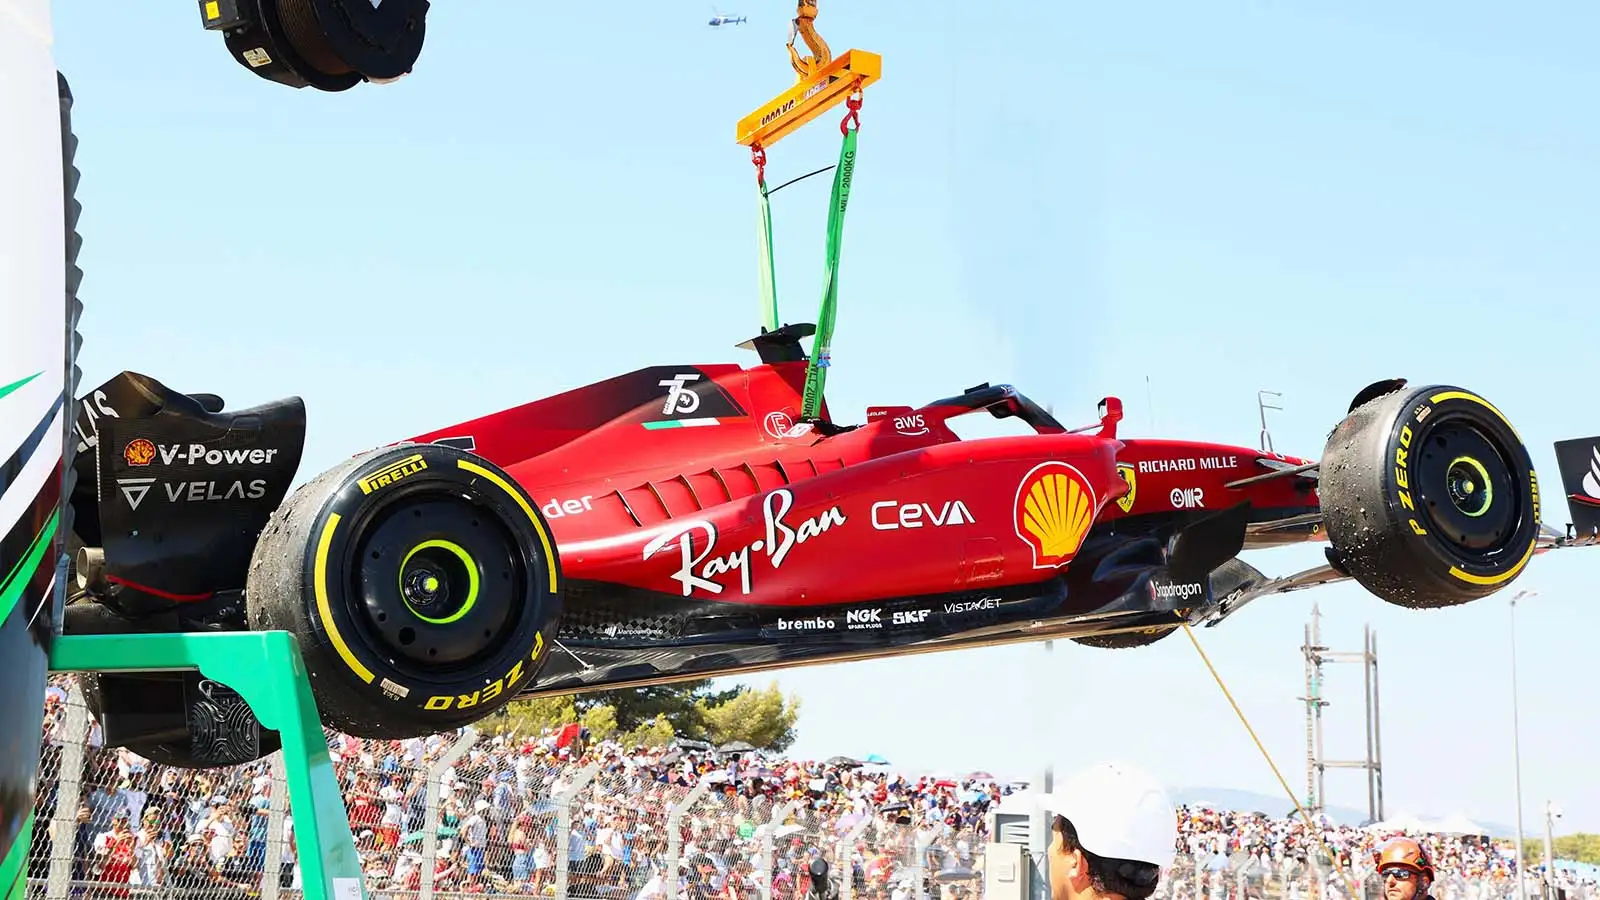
[758,156]
[854,115]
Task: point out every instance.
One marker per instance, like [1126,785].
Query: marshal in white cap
[1119,811]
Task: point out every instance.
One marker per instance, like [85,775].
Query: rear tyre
[1429,497]
[422,583]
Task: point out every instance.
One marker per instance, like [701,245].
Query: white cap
[1119,812]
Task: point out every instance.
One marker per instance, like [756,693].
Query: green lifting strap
[821,345]
[769,281]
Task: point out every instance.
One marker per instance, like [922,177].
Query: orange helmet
[1405,853]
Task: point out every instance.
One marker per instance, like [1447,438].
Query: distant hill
[1250,801]
[1278,805]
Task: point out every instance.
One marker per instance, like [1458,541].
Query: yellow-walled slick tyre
[1429,497]
[422,583]
[1123,640]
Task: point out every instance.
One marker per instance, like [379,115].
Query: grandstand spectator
[151,849]
[192,870]
[218,828]
[289,866]
[475,834]
[255,812]
[115,847]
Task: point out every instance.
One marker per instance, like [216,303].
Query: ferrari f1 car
[679,522]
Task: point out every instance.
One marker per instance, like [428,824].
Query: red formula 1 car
[678,522]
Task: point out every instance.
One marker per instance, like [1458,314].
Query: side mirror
[1110,415]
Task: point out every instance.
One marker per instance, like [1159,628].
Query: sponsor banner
[556,507]
[911,617]
[1054,509]
[965,607]
[815,623]
[145,470]
[141,452]
[707,566]
[914,425]
[893,515]
[1189,464]
[136,490]
[887,618]
[864,619]
[1178,593]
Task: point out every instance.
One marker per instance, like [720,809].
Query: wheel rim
[436,580]
[1471,489]
[1466,486]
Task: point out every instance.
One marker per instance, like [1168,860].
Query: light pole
[1039,821]
[1551,814]
[1516,742]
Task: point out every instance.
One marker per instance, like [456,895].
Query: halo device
[330,45]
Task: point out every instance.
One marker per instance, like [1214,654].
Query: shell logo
[139,452]
[1054,510]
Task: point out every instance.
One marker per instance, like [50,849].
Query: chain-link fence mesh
[1250,878]
[464,815]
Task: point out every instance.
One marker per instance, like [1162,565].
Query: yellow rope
[1349,881]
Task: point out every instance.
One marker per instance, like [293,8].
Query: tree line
[764,718]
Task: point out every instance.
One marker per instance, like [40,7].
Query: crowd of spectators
[1207,834]
[142,825]
[1251,848]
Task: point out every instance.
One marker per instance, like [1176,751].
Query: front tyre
[422,583]
[1123,640]
[1429,497]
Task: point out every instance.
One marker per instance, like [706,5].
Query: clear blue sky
[1221,197]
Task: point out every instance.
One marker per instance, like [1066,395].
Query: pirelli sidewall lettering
[1407,442]
[505,684]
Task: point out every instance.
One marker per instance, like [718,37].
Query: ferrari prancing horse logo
[1054,509]
[1129,475]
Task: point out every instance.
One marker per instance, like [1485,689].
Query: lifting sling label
[822,344]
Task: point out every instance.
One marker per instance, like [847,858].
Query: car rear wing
[1579,462]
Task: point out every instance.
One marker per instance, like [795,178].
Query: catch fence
[498,822]
[1244,878]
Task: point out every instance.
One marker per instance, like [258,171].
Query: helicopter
[718,18]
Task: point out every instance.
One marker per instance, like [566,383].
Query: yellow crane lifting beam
[823,82]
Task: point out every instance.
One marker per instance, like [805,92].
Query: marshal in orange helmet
[1405,868]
